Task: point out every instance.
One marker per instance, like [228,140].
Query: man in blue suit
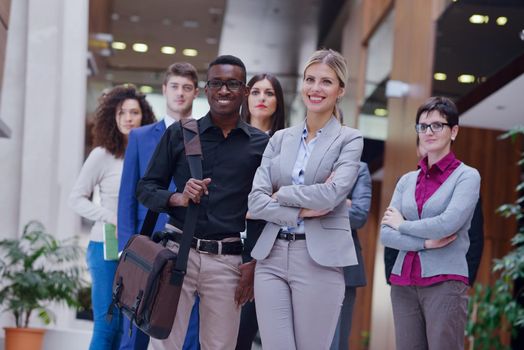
[180,88]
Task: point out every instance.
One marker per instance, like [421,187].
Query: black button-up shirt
[229,161]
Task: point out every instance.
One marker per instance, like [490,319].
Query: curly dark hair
[105,131]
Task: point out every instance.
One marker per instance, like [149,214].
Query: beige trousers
[214,278]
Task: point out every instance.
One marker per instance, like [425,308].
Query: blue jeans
[106,335]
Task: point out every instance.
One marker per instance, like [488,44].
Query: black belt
[290,236]
[211,247]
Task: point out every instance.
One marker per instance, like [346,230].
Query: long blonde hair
[335,61]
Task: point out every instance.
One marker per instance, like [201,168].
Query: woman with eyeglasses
[300,189]
[428,222]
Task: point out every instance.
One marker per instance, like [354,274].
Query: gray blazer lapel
[288,153]
[329,133]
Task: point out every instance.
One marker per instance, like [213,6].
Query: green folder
[110,242]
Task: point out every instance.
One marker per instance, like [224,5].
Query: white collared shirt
[297,175]
[168,121]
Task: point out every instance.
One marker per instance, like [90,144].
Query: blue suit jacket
[131,214]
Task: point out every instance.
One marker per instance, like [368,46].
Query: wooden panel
[368,235]
[373,13]
[5,7]
[496,161]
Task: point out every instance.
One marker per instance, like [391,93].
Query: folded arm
[327,195]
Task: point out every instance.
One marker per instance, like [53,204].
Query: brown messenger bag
[149,276]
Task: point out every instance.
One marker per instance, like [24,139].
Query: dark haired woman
[428,222]
[264,109]
[120,110]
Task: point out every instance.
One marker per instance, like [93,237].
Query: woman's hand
[393,218]
[439,243]
[310,213]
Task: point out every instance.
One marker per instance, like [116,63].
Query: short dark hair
[105,131]
[444,105]
[278,118]
[232,60]
[182,69]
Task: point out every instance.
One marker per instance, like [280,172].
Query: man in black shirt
[232,151]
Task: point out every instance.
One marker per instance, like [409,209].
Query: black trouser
[248,326]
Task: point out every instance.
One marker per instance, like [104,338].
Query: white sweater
[101,169]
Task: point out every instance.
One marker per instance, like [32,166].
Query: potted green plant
[36,270]
[495,311]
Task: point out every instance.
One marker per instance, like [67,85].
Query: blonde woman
[300,189]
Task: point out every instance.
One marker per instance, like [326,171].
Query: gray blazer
[338,150]
[355,276]
[449,210]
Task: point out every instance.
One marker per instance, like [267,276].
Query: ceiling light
[191,24]
[502,20]
[139,47]
[466,78]
[190,52]
[115,16]
[479,19]
[134,18]
[168,50]
[211,41]
[118,45]
[380,112]
[146,89]
[166,22]
[440,76]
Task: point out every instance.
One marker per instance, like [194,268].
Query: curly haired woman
[120,110]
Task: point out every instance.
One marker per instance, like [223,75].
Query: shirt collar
[168,121]
[441,165]
[207,123]
[305,131]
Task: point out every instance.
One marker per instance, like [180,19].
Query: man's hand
[393,218]
[245,291]
[439,243]
[193,190]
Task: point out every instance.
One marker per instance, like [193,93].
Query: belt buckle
[198,247]
[293,237]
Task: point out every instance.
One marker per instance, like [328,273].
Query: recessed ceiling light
[118,45]
[140,47]
[146,89]
[440,76]
[190,52]
[502,20]
[466,78]
[134,18]
[166,22]
[168,50]
[115,16]
[190,24]
[479,19]
[211,41]
[380,112]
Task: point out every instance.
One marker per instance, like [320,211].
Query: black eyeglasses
[434,127]
[232,84]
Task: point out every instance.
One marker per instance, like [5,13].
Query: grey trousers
[298,301]
[430,318]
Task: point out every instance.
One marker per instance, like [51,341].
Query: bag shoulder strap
[193,151]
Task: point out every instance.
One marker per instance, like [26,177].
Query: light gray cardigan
[449,210]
